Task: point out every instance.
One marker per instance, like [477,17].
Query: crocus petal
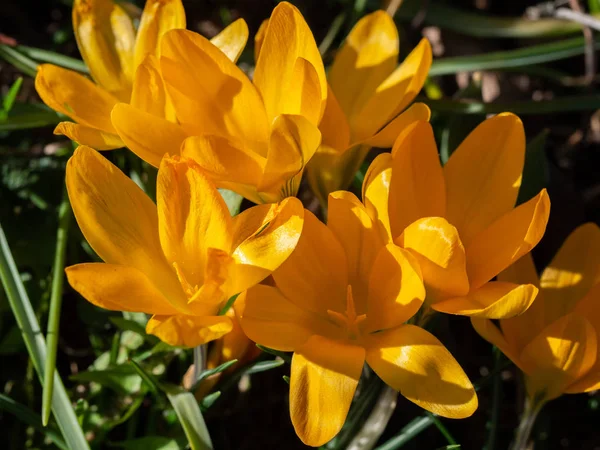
[389,133]
[287,39]
[148,136]
[440,253]
[483,175]
[414,362]
[507,239]
[232,39]
[323,380]
[575,268]
[270,319]
[188,331]
[118,288]
[395,291]
[315,275]
[84,135]
[395,93]
[75,96]
[263,238]
[564,352]
[360,238]
[192,217]
[334,125]
[491,333]
[417,186]
[118,220]
[259,38]
[149,93]
[228,163]
[106,38]
[159,16]
[494,300]
[376,192]
[210,93]
[293,142]
[368,55]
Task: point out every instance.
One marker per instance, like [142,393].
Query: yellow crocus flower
[179,260]
[459,220]
[367,95]
[123,65]
[342,298]
[253,137]
[555,341]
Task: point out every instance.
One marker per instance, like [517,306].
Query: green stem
[532,409]
[442,429]
[64,221]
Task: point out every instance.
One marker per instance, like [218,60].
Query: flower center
[348,320]
[187,287]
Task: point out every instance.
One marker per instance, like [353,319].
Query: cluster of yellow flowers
[423,239]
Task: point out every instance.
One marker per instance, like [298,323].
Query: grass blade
[36,346]
[58,274]
[9,100]
[408,433]
[25,64]
[53,58]
[24,116]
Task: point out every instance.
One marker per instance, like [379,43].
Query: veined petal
[293,142]
[395,93]
[210,93]
[323,380]
[159,16]
[270,319]
[389,133]
[376,192]
[491,333]
[368,55]
[76,96]
[118,220]
[227,162]
[440,254]
[188,331]
[118,288]
[232,39]
[334,125]
[93,137]
[494,300]
[507,239]
[563,353]
[315,276]
[575,268]
[148,136]
[106,38]
[360,238]
[417,186]
[192,217]
[396,290]
[414,362]
[259,38]
[149,93]
[483,175]
[287,39]
[263,238]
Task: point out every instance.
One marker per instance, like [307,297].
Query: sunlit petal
[188,331]
[232,39]
[84,135]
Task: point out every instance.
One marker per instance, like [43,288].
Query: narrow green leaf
[442,429]
[53,58]
[207,373]
[228,305]
[9,100]
[450,447]
[149,443]
[232,200]
[263,366]
[527,56]
[189,414]
[286,379]
[58,274]
[285,356]
[209,400]
[12,56]
[149,379]
[26,116]
[536,172]
[408,433]
[36,346]
[29,417]
[123,379]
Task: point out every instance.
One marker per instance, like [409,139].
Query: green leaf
[232,200]
[23,63]
[536,171]
[149,443]
[208,401]
[149,379]
[29,417]
[450,447]
[207,373]
[9,100]
[263,366]
[189,414]
[408,433]
[53,58]
[36,346]
[123,379]
[26,116]
[286,379]
[134,326]
[594,6]
[526,56]
[283,355]
[228,305]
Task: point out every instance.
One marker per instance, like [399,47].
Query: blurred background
[489,56]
